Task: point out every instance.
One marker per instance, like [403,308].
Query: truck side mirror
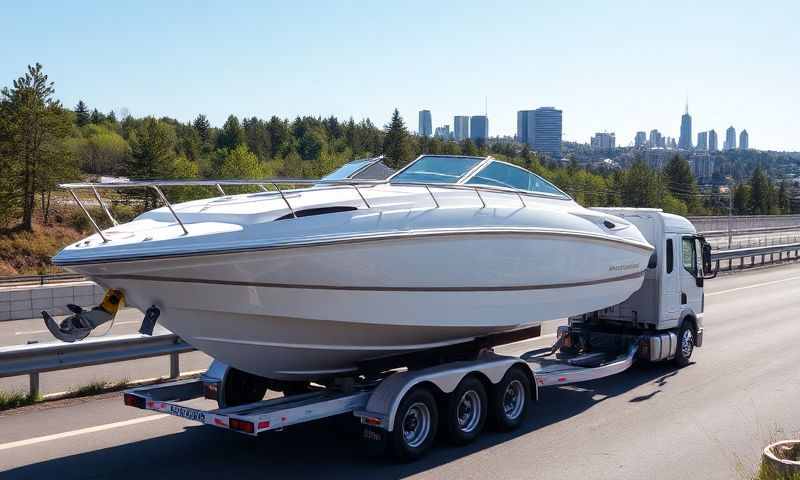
[707,262]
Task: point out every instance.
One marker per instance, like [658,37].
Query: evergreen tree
[759,193]
[231,135]
[112,117]
[152,154]
[784,200]
[642,186]
[81,114]
[741,199]
[34,128]
[680,181]
[396,144]
[97,117]
[203,127]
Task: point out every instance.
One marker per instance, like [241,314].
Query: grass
[16,400]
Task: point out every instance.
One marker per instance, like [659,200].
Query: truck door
[691,274]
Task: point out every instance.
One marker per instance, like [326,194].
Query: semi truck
[457,391]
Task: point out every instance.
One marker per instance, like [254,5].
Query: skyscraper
[702,140]
[685,140]
[425,123]
[730,138]
[524,117]
[461,127]
[640,140]
[744,140]
[603,141]
[655,139]
[544,131]
[479,128]
[443,132]
[712,141]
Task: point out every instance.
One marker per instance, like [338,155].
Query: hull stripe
[511,288]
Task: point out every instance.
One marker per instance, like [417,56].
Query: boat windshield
[345,171]
[437,169]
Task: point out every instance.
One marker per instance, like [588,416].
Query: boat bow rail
[276,183]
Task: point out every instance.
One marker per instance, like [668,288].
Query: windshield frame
[472,174]
[481,162]
[365,163]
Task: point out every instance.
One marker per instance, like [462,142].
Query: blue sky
[611,66]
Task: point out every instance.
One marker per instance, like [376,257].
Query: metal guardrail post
[174,365]
[33,385]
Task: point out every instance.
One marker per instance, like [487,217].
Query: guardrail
[40,279]
[31,360]
[752,253]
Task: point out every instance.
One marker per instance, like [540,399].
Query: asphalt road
[708,420]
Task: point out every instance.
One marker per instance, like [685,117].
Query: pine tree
[231,135]
[81,114]
[396,144]
[112,117]
[759,192]
[202,126]
[680,181]
[97,117]
[741,199]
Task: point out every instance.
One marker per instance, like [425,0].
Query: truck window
[670,256]
[689,255]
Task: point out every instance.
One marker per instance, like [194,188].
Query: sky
[618,66]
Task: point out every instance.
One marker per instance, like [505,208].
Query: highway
[708,420]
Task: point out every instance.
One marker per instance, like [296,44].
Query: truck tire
[242,388]
[415,425]
[685,348]
[510,400]
[466,413]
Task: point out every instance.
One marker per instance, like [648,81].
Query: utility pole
[730,215]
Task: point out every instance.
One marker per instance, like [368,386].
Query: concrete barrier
[19,303]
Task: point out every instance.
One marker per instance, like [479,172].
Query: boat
[312,282]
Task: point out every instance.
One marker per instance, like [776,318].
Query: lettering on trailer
[628,266]
[188,413]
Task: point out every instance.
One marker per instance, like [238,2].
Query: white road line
[755,285]
[30,332]
[82,431]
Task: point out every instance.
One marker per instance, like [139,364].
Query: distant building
[702,141]
[744,140]
[461,127]
[425,123]
[443,132]
[640,140]
[685,140]
[704,167]
[713,146]
[656,140]
[730,139]
[540,129]
[603,141]
[479,128]
[656,158]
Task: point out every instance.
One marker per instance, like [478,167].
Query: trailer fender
[384,401]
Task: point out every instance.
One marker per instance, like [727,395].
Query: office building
[704,167]
[479,128]
[685,139]
[730,139]
[461,127]
[640,140]
[603,141]
[713,146]
[656,140]
[544,131]
[425,123]
[443,132]
[744,140]
[524,117]
[702,141]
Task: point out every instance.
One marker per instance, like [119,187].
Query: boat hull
[310,311]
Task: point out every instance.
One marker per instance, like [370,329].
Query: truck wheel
[683,352]
[466,411]
[414,425]
[510,399]
[242,388]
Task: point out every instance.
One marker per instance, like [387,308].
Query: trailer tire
[415,425]
[242,388]
[466,412]
[510,400]
[685,348]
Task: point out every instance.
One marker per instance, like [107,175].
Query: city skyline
[263,59]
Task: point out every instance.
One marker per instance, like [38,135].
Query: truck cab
[671,298]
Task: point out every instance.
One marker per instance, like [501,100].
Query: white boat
[308,283]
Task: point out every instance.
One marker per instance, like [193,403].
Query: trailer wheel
[415,425]
[510,399]
[683,353]
[467,406]
[242,387]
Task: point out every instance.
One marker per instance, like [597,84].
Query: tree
[34,128]
[396,144]
[784,200]
[101,152]
[231,135]
[741,199]
[641,186]
[152,154]
[680,181]
[759,193]
[97,117]
[202,125]
[81,114]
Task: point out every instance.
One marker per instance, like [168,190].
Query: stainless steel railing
[276,183]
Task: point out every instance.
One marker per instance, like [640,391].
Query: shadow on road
[329,448]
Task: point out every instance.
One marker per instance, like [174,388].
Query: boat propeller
[80,324]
